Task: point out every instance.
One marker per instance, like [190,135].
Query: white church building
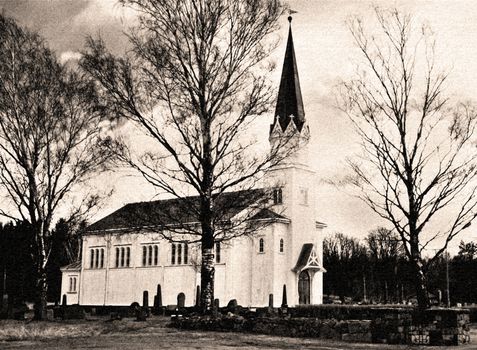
[121,260]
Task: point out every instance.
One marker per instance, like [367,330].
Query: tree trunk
[41,278]
[41,295]
[421,285]
[207,273]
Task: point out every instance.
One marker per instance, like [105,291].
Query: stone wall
[356,331]
[385,325]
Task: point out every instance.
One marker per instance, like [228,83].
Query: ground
[154,334]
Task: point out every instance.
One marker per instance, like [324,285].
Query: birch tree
[194,83]
[418,164]
[48,139]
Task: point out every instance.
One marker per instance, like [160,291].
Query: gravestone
[145,299]
[215,307]
[232,306]
[181,300]
[284,296]
[197,296]
[159,296]
[270,303]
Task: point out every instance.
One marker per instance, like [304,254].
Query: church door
[304,288]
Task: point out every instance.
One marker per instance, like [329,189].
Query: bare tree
[194,83]
[48,139]
[418,161]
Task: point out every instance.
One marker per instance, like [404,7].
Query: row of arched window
[96,260]
[179,253]
[123,256]
[261,245]
[150,255]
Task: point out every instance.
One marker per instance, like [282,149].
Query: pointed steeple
[289,101]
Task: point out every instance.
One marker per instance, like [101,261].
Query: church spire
[289,101]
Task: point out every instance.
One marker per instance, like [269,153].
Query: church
[121,260]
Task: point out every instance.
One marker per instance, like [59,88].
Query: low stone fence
[358,331]
[386,325]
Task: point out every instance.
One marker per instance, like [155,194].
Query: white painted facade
[291,256]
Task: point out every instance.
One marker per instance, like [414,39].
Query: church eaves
[289,101]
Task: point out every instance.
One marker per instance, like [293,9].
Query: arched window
[281,245]
[71,284]
[74,284]
[217,252]
[156,254]
[144,256]
[186,253]
[97,258]
[91,259]
[277,196]
[117,257]
[261,245]
[101,263]
[149,260]
[173,255]
[122,256]
[128,256]
[179,254]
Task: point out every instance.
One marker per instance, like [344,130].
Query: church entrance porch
[304,288]
[309,271]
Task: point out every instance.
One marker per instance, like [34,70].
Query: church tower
[294,184]
[289,126]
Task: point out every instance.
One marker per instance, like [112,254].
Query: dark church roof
[181,211]
[289,101]
[76,266]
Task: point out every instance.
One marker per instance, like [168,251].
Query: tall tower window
[277,196]
[281,245]
[261,246]
[304,196]
[217,252]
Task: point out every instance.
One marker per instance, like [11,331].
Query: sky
[325,54]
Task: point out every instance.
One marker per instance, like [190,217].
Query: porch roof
[308,259]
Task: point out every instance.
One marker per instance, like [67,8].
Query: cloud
[69,56]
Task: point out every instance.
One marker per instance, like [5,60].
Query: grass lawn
[153,334]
